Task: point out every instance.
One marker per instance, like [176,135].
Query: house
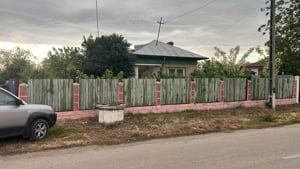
[255,68]
[157,57]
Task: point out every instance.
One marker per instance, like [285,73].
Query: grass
[150,126]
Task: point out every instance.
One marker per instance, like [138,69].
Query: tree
[17,64]
[107,52]
[65,63]
[287,34]
[224,64]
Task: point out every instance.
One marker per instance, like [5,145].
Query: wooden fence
[207,90]
[235,89]
[97,91]
[284,87]
[260,88]
[139,92]
[57,93]
[175,91]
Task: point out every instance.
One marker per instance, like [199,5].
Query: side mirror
[19,102]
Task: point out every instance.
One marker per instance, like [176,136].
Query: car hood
[38,107]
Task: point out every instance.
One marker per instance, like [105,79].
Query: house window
[176,72]
[172,72]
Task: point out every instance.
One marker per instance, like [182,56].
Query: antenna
[160,23]
[97,18]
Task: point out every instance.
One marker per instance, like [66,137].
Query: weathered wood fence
[235,89]
[57,92]
[207,90]
[97,91]
[145,92]
[139,92]
[175,91]
[284,88]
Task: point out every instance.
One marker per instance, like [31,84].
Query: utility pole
[160,23]
[97,18]
[272,56]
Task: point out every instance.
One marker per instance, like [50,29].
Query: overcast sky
[195,25]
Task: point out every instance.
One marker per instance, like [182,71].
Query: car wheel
[39,129]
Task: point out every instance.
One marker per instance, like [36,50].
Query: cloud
[223,23]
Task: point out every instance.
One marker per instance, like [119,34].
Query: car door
[12,116]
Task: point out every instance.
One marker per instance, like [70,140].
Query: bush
[267,118]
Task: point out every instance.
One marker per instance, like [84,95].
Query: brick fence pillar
[294,89]
[23,92]
[222,94]
[76,96]
[157,93]
[121,93]
[249,90]
[192,92]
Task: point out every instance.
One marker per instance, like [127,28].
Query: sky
[194,25]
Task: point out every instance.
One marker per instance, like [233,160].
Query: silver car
[19,118]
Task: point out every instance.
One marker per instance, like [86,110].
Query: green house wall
[165,60]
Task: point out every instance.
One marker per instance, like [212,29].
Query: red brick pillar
[222,95]
[249,90]
[294,89]
[120,93]
[76,96]
[157,93]
[23,91]
[192,92]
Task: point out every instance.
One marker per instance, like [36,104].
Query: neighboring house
[156,57]
[255,68]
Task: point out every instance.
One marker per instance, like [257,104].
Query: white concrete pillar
[136,70]
[297,88]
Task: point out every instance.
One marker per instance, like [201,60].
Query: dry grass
[142,127]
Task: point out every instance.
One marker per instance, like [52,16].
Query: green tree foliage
[265,62]
[224,64]
[64,63]
[107,52]
[287,34]
[18,64]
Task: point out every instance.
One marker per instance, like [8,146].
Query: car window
[6,99]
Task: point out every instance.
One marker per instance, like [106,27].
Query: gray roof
[164,49]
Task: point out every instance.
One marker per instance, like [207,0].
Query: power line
[235,22]
[191,11]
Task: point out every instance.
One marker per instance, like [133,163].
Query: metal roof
[164,49]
